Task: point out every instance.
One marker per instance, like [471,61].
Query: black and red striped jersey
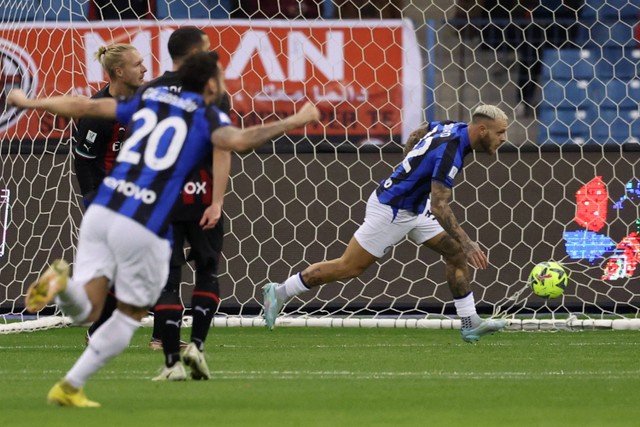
[97,143]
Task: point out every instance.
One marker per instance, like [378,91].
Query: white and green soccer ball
[548,279]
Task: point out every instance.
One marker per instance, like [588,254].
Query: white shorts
[124,251]
[381,231]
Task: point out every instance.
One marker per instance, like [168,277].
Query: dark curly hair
[197,69]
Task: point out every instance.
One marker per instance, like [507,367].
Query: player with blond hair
[97,140]
[414,202]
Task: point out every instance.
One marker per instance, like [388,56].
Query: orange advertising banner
[365,76]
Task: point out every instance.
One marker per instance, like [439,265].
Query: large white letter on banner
[331,65]
[252,42]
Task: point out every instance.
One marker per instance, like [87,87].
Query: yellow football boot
[63,394]
[47,286]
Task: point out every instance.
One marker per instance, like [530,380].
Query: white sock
[108,341]
[291,287]
[466,310]
[465,306]
[74,302]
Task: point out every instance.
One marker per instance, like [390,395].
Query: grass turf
[339,377]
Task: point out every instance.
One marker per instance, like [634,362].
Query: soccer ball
[548,279]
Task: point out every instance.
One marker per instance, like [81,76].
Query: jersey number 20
[153,131]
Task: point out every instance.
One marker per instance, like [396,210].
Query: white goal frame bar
[570,324]
[5,204]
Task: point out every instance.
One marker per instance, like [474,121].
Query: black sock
[169,300]
[169,318]
[203,307]
[171,359]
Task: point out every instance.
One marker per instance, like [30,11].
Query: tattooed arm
[440,196]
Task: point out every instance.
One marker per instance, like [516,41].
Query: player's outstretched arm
[241,140]
[68,106]
[440,195]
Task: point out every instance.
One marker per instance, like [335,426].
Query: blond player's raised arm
[241,140]
[68,106]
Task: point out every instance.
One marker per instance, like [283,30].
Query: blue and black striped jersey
[438,156]
[169,135]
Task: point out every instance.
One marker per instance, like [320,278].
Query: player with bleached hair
[414,202]
[125,234]
[97,140]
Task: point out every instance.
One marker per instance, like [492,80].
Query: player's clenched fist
[17,98]
[308,113]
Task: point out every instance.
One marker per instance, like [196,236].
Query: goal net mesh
[565,187]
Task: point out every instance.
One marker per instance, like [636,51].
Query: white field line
[425,375]
[351,375]
[486,343]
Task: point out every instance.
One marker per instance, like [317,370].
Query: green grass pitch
[339,377]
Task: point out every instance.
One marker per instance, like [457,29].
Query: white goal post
[565,187]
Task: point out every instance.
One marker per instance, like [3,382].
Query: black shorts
[205,245]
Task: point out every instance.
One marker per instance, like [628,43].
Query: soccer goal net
[564,188]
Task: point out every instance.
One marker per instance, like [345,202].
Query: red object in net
[624,263]
[592,199]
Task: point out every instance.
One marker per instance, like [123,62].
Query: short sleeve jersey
[169,135]
[438,156]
